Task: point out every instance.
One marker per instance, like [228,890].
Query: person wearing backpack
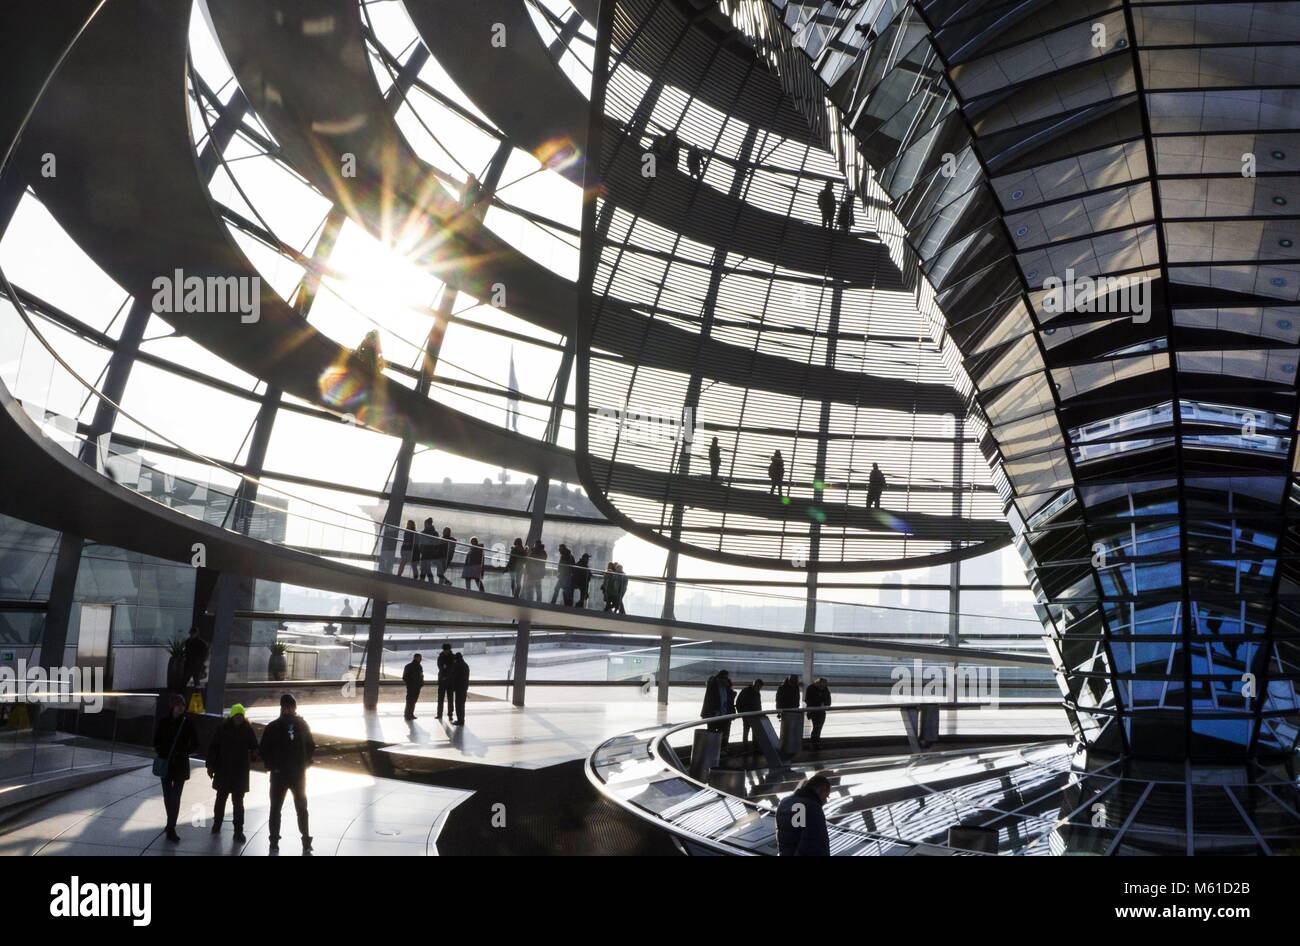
[173,739]
[287,750]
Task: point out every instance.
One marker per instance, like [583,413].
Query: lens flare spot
[341,387]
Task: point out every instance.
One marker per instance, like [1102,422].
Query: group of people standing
[453,684]
[721,699]
[286,750]
[572,587]
[668,148]
[429,556]
[427,553]
[828,205]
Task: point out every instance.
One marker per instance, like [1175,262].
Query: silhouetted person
[582,579]
[608,583]
[448,554]
[413,677]
[787,694]
[516,565]
[875,486]
[719,700]
[473,568]
[801,820]
[695,162]
[195,658]
[410,553]
[818,694]
[174,739]
[430,550]
[847,217]
[534,570]
[749,700]
[287,750]
[563,576]
[620,588]
[371,353]
[776,473]
[670,148]
[460,681]
[446,688]
[230,754]
[473,192]
[715,460]
[826,202]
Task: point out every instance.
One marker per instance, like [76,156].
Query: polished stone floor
[351,814]
[556,726]
[495,732]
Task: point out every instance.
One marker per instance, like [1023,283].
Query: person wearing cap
[174,740]
[287,750]
[232,750]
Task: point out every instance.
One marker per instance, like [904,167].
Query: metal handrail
[657,745]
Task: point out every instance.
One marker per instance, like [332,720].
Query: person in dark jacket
[430,547]
[448,556]
[776,474]
[410,550]
[620,588]
[174,739]
[534,569]
[472,570]
[287,750]
[875,487]
[581,580]
[719,700]
[445,688]
[847,218]
[563,576]
[233,747]
[787,694]
[196,658]
[826,203]
[801,820]
[413,677]
[609,585]
[715,460]
[460,682]
[819,694]
[518,559]
[749,700]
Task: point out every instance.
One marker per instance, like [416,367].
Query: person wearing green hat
[231,752]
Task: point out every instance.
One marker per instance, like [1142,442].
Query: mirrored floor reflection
[1043,798]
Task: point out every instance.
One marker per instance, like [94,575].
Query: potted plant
[277,666]
[176,664]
